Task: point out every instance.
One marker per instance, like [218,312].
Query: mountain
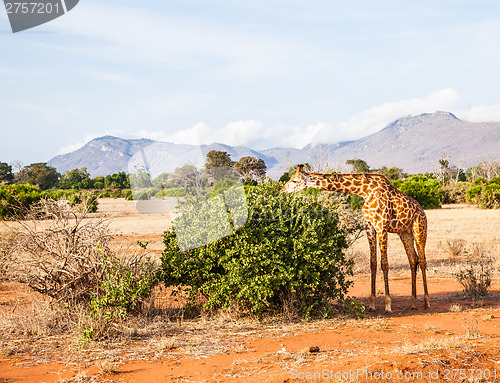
[107,155]
[101,156]
[415,144]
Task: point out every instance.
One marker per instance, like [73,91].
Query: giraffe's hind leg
[372,241]
[420,234]
[408,243]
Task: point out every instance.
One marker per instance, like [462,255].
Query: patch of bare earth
[457,340]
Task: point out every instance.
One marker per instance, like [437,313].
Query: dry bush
[60,250]
[455,248]
[107,367]
[455,308]
[478,250]
[471,328]
[475,279]
[38,319]
[7,249]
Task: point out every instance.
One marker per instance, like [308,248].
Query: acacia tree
[251,168]
[39,174]
[487,170]
[117,180]
[190,179]
[218,163]
[392,174]
[6,175]
[76,179]
[358,165]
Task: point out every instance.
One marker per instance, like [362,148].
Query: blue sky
[257,73]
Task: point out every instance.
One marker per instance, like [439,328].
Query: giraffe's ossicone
[386,210]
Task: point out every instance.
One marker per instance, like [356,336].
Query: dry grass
[8,239]
[37,319]
[431,328]
[455,248]
[432,344]
[455,308]
[471,328]
[107,367]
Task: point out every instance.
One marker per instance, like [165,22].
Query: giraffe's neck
[359,184]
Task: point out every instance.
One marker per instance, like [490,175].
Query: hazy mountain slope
[414,144]
[107,155]
[101,156]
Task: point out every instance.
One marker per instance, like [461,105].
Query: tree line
[479,184]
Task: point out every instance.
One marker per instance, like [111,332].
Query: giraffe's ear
[300,168]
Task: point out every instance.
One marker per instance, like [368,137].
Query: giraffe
[386,210]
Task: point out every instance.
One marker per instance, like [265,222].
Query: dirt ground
[456,340]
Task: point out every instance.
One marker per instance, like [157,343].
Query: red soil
[410,345]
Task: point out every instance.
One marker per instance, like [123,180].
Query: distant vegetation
[479,184]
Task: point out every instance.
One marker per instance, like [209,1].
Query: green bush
[126,285]
[289,255]
[426,190]
[485,194]
[175,192]
[15,200]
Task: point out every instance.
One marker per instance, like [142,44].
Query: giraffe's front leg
[372,241]
[382,241]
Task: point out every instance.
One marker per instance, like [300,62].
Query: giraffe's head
[298,181]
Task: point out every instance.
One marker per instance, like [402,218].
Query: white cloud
[378,117]
[481,113]
[254,134]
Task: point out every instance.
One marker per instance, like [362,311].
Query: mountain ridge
[413,143]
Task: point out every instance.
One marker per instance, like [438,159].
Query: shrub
[13,198]
[456,193]
[289,255]
[126,285]
[59,251]
[8,242]
[486,195]
[475,279]
[427,191]
[16,200]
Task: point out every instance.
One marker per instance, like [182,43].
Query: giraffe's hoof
[371,309]
[413,308]
[388,312]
